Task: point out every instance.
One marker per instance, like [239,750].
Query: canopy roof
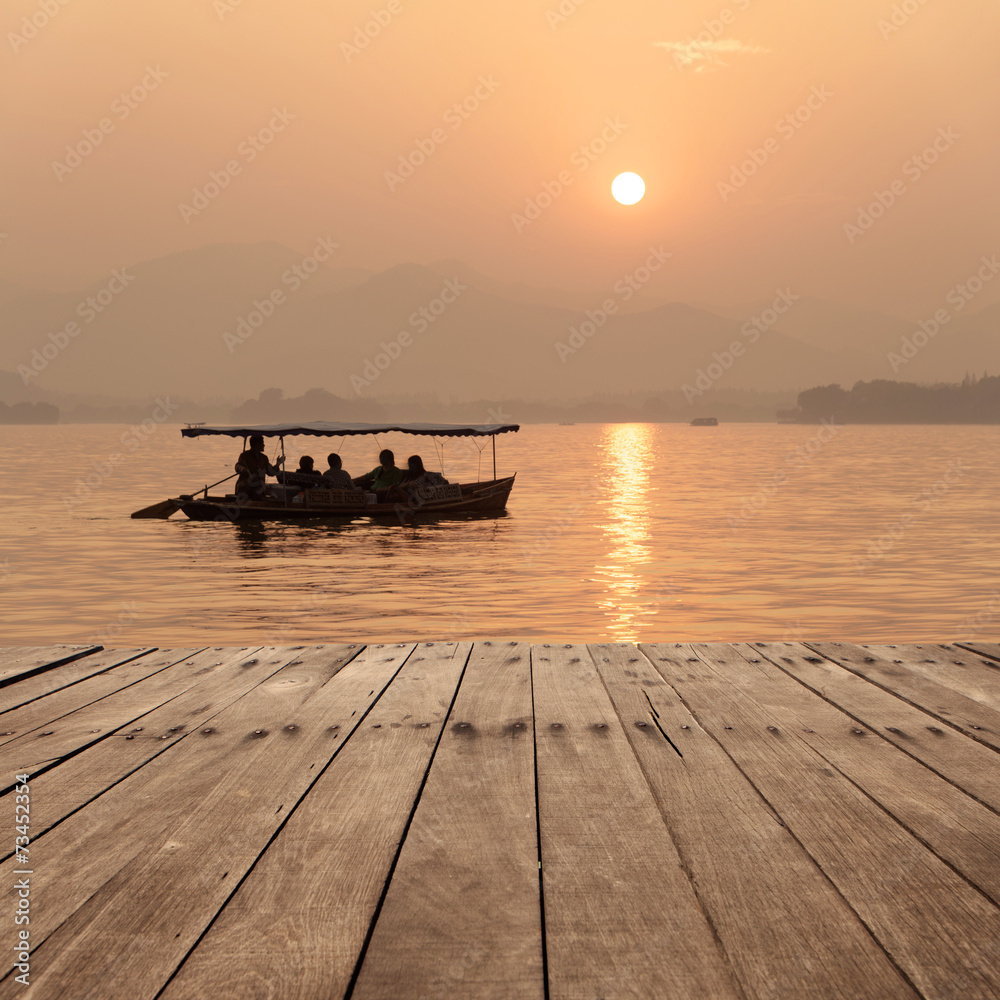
[323,428]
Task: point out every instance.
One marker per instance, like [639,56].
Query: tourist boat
[705,422]
[292,500]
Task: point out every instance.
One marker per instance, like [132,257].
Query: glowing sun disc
[628,188]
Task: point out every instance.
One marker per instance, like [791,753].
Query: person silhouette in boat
[416,475]
[383,477]
[253,468]
[335,477]
[307,468]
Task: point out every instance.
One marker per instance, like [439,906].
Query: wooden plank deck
[778,821]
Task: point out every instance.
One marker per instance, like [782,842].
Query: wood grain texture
[621,917]
[222,808]
[940,931]
[17,662]
[950,822]
[29,689]
[971,717]
[785,928]
[311,897]
[951,666]
[989,651]
[967,764]
[461,917]
[223,677]
[52,727]
[132,814]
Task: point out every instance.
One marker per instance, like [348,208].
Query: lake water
[613,532]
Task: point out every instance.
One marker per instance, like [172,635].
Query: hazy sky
[677,92]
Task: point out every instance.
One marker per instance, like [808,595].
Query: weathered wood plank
[270,746]
[23,691]
[969,765]
[786,930]
[948,665]
[51,727]
[990,651]
[312,895]
[17,662]
[621,917]
[955,826]
[971,717]
[223,678]
[135,814]
[462,916]
[938,929]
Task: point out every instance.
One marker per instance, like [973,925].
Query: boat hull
[488,497]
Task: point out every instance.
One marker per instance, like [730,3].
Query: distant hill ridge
[165,332]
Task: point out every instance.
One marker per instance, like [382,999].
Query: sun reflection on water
[627,456]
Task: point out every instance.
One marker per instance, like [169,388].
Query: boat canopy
[323,428]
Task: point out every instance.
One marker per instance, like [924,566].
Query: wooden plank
[621,917]
[955,826]
[17,662]
[989,651]
[223,677]
[219,810]
[940,931]
[139,806]
[23,691]
[969,765]
[312,895]
[97,702]
[947,665]
[786,930]
[970,717]
[462,916]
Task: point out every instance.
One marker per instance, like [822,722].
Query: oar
[165,508]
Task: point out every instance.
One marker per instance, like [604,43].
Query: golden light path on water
[649,532]
[627,457]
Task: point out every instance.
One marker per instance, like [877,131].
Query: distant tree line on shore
[29,413]
[973,401]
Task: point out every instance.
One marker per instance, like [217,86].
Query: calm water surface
[614,532]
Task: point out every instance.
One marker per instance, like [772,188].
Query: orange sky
[692,87]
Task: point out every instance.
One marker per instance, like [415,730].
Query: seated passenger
[383,476]
[306,467]
[304,476]
[416,475]
[335,478]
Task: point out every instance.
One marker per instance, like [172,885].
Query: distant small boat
[566,423]
[705,422]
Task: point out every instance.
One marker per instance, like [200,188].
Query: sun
[628,188]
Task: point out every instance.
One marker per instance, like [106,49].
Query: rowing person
[254,467]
